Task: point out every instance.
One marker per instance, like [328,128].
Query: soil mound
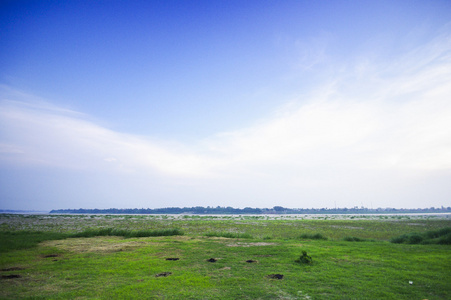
[164,274]
[12,269]
[275,276]
[12,276]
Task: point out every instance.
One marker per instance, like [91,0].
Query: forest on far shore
[220,210]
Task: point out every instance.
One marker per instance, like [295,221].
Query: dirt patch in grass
[250,244]
[163,274]
[12,269]
[96,244]
[275,276]
[11,276]
[50,255]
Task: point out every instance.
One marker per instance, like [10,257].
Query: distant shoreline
[236,211]
[26,212]
[276,210]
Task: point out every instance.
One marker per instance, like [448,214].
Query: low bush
[355,239]
[230,235]
[127,233]
[316,236]
[441,237]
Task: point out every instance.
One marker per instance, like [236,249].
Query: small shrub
[415,239]
[444,240]
[305,258]
[438,233]
[399,239]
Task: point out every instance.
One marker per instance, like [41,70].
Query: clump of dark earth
[12,276]
[212,260]
[251,261]
[13,269]
[275,276]
[172,258]
[51,255]
[164,274]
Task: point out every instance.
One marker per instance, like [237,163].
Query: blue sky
[232,103]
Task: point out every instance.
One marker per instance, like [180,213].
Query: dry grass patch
[108,244]
[96,244]
[347,227]
[238,244]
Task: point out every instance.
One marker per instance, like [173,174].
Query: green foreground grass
[352,259]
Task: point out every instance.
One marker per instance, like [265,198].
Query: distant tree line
[220,210]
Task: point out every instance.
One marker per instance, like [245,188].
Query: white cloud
[42,135]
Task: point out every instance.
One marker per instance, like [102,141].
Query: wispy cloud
[37,134]
[397,114]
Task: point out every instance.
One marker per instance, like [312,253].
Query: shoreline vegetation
[219,210]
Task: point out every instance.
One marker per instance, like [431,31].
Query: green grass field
[125,257]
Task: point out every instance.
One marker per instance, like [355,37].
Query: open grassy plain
[220,257]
